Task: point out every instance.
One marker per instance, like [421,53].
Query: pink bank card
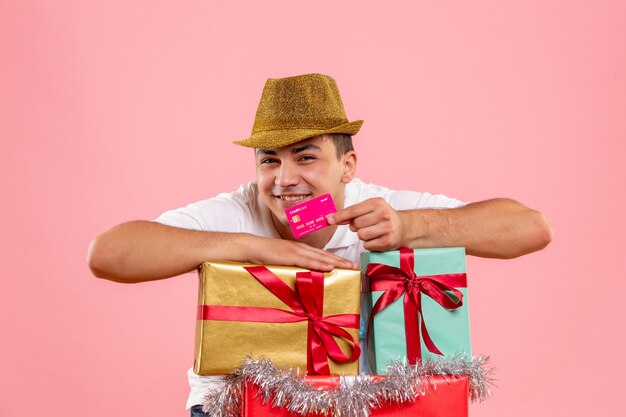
[310,216]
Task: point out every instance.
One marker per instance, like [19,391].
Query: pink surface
[112,111]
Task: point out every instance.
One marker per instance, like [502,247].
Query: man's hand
[497,228]
[266,251]
[144,251]
[376,223]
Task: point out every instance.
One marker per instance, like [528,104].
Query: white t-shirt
[243,211]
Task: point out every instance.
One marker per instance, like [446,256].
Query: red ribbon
[306,303]
[398,281]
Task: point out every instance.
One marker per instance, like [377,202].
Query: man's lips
[292,197]
[285,201]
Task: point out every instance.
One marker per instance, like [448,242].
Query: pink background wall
[113,111]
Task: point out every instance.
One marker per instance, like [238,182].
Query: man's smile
[293,197]
[285,201]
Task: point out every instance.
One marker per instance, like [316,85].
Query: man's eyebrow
[294,150]
[305,147]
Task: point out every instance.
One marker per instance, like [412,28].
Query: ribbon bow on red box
[403,281]
[307,304]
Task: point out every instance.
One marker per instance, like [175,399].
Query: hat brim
[271,139]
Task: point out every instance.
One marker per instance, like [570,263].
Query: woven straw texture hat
[296,108]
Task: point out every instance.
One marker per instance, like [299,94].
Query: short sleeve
[399,200]
[183,217]
[411,200]
[227,212]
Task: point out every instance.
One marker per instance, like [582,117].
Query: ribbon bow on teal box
[418,305]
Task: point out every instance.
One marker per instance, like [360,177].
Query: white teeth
[292,197]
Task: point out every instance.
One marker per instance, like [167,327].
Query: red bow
[306,303]
[398,281]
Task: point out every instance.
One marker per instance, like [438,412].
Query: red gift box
[444,396]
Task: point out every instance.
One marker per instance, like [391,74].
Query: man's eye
[268,161]
[307,158]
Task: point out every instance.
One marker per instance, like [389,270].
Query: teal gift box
[416,305]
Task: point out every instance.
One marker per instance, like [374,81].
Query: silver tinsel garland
[354,397]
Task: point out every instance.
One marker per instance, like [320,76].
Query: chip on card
[310,216]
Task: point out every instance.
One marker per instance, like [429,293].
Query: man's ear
[349,166]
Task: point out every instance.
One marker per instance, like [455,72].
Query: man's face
[295,173]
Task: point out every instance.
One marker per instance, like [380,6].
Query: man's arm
[141,250]
[498,228]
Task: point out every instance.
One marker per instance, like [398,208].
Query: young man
[303,149]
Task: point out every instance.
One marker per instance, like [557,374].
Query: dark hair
[343,143]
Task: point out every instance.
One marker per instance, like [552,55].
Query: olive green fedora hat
[296,108]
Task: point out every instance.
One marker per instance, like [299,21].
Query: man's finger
[341,263]
[380,244]
[348,214]
[371,233]
[336,262]
[328,258]
[367,220]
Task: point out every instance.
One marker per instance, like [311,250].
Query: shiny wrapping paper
[444,396]
[221,345]
[447,328]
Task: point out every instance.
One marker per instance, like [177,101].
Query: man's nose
[287,174]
